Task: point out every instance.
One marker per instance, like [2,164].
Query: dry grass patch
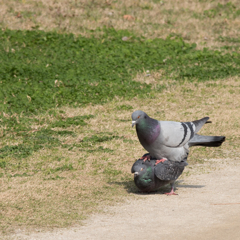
[89,167]
[197,21]
[58,187]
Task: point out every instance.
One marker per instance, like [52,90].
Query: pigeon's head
[142,169]
[138,116]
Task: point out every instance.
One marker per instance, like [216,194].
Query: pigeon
[171,140]
[149,177]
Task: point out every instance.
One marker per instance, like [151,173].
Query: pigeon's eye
[141,169]
[138,116]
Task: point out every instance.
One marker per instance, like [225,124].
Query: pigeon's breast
[149,136]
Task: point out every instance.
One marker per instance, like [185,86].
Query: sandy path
[207,207]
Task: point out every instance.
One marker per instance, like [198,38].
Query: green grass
[32,141]
[40,70]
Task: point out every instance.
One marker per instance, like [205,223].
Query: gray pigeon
[149,177]
[171,140]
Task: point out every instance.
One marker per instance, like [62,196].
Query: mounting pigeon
[148,176]
[171,140]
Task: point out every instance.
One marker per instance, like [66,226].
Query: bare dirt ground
[207,207]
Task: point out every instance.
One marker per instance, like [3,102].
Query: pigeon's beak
[133,123]
[135,174]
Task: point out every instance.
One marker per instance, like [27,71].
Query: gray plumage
[169,139]
[206,141]
[149,177]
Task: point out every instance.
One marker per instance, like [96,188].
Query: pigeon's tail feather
[199,123]
[206,141]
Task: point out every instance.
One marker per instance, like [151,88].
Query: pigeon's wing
[169,170]
[177,134]
[199,123]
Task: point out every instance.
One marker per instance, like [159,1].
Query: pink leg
[172,191]
[160,160]
[146,157]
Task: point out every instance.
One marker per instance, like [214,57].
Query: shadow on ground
[131,188]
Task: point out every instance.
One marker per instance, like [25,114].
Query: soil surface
[207,207]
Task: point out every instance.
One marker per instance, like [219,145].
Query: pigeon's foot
[160,160]
[146,157]
[171,193]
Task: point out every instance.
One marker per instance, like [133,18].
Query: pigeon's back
[169,170]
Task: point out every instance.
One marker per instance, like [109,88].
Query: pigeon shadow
[177,184]
[190,186]
[130,187]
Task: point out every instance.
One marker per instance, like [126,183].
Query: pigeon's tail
[206,141]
